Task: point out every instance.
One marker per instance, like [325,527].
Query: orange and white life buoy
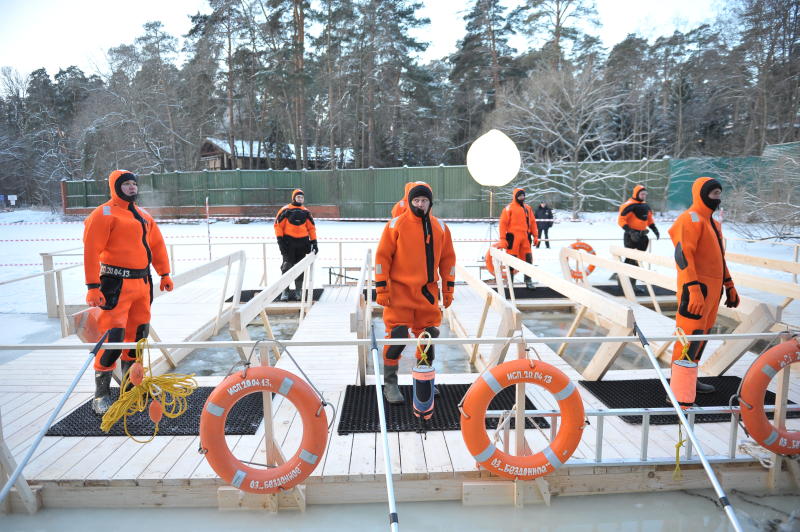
[481,393]
[490,262]
[234,471]
[751,399]
[582,274]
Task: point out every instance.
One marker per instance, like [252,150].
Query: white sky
[58,33]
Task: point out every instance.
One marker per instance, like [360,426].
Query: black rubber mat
[649,393]
[247,295]
[244,418]
[359,412]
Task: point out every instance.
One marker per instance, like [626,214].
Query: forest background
[345,75]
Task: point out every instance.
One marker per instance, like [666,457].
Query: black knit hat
[420,190]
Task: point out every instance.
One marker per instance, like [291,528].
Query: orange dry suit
[414,253]
[296,233]
[635,216]
[518,228]
[702,271]
[120,241]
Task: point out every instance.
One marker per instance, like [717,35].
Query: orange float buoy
[751,399]
[582,274]
[136,373]
[156,411]
[296,468]
[684,382]
[481,393]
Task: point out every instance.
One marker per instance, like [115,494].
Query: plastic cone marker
[493,160]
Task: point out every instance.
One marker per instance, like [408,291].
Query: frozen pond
[216,361]
[557,323]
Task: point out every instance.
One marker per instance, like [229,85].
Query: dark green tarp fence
[370,193]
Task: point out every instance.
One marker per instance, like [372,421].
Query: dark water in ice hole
[449,358]
[216,361]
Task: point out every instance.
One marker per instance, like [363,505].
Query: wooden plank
[105,470]
[58,467]
[412,456]
[134,467]
[362,457]
[166,458]
[83,467]
[437,457]
[185,464]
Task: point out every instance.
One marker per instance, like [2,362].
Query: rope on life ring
[751,399]
[263,379]
[582,274]
[489,384]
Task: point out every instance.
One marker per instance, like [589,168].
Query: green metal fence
[370,193]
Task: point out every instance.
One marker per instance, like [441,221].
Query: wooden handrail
[612,310]
[244,314]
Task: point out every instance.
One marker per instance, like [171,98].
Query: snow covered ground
[24,235]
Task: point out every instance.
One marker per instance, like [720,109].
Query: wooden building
[216,154]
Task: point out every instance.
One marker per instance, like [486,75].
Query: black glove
[314,246]
[530,238]
[655,230]
[510,240]
[283,245]
[731,297]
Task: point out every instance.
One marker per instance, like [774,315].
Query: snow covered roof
[254,149]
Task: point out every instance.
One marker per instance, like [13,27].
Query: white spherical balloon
[493,160]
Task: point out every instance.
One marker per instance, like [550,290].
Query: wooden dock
[115,471]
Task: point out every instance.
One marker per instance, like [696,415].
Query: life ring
[234,471]
[490,262]
[481,393]
[582,274]
[751,399]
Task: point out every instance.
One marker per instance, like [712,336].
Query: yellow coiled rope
[166,393]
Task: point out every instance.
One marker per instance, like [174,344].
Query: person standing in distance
[518,231]
[297,237]
[635,216]
[544,221]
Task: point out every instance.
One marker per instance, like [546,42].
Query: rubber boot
[391,391]
[705,388]
[285,295]
[102,392]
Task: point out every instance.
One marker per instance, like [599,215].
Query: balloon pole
[491,203]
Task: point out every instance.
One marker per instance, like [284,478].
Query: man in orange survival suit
[702,271]
[120,241]
[518,230]
[297,237]
[414,252]
[635,216]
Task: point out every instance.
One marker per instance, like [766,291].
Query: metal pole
[387,461]
[208,229]
[723,498]
[18,471]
